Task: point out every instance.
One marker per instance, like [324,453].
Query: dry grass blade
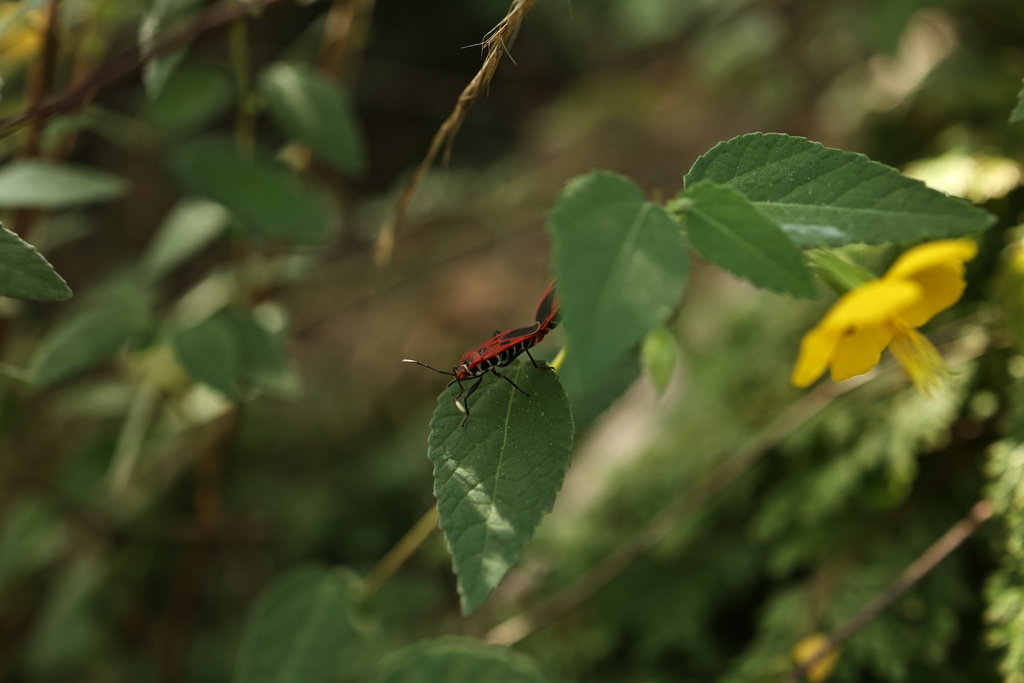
[496,43]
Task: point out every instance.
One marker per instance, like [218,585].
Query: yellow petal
[816,350]
[941,287]
[930,254]
[859,350]
[873,303]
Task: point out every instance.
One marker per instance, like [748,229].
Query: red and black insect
[500,350]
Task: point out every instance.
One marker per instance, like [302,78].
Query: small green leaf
[314,111]
[458,660]
[266,363]
[157,70]
[1018,112]
[622,266]
[192,97]
[266,198]
[25,274]
[34,184]
[230,348]
[659,353]
[190,226]
[498,475]
[69,629]
[210,353]
[828,197]
[92,334]
[298,630]
[729,231]
[31,536]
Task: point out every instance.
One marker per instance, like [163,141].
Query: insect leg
[542,367]
[507,379]
[463,405]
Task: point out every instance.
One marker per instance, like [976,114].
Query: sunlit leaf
[298,629]
[315,111]
[458,660]
[35,184]
[823,196]
[25,274]
[729,231]
[259,192]
[189,226]
[495,477]
[622,266]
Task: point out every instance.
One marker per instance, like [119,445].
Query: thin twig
[496,42]
[917,570]
[22,220]
[130,61]
[344,32]
[42,76]
[397,556]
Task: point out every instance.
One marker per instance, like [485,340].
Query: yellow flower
[885,312]
[807,650]
[22,35]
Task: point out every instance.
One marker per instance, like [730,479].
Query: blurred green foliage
[204,451]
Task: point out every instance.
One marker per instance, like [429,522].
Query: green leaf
[498,475]
[622,266]
[157,70]
[25,274]
[266,363]
[298,629]
[314,111]
[192,97]
[827,197]
[729,231]
[458,660]
[210,353]
[659,354]
[69,631]
[190,226]
[230,348]
[31,536]
[266,198]
[92,334]
[34,184]
[1018,112]
[592,394]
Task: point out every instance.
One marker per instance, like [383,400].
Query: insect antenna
[416,362]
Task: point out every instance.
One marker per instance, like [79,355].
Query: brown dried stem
[497,43]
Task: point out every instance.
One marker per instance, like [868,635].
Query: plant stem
[397,556]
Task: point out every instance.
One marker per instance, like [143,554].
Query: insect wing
[547,309]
